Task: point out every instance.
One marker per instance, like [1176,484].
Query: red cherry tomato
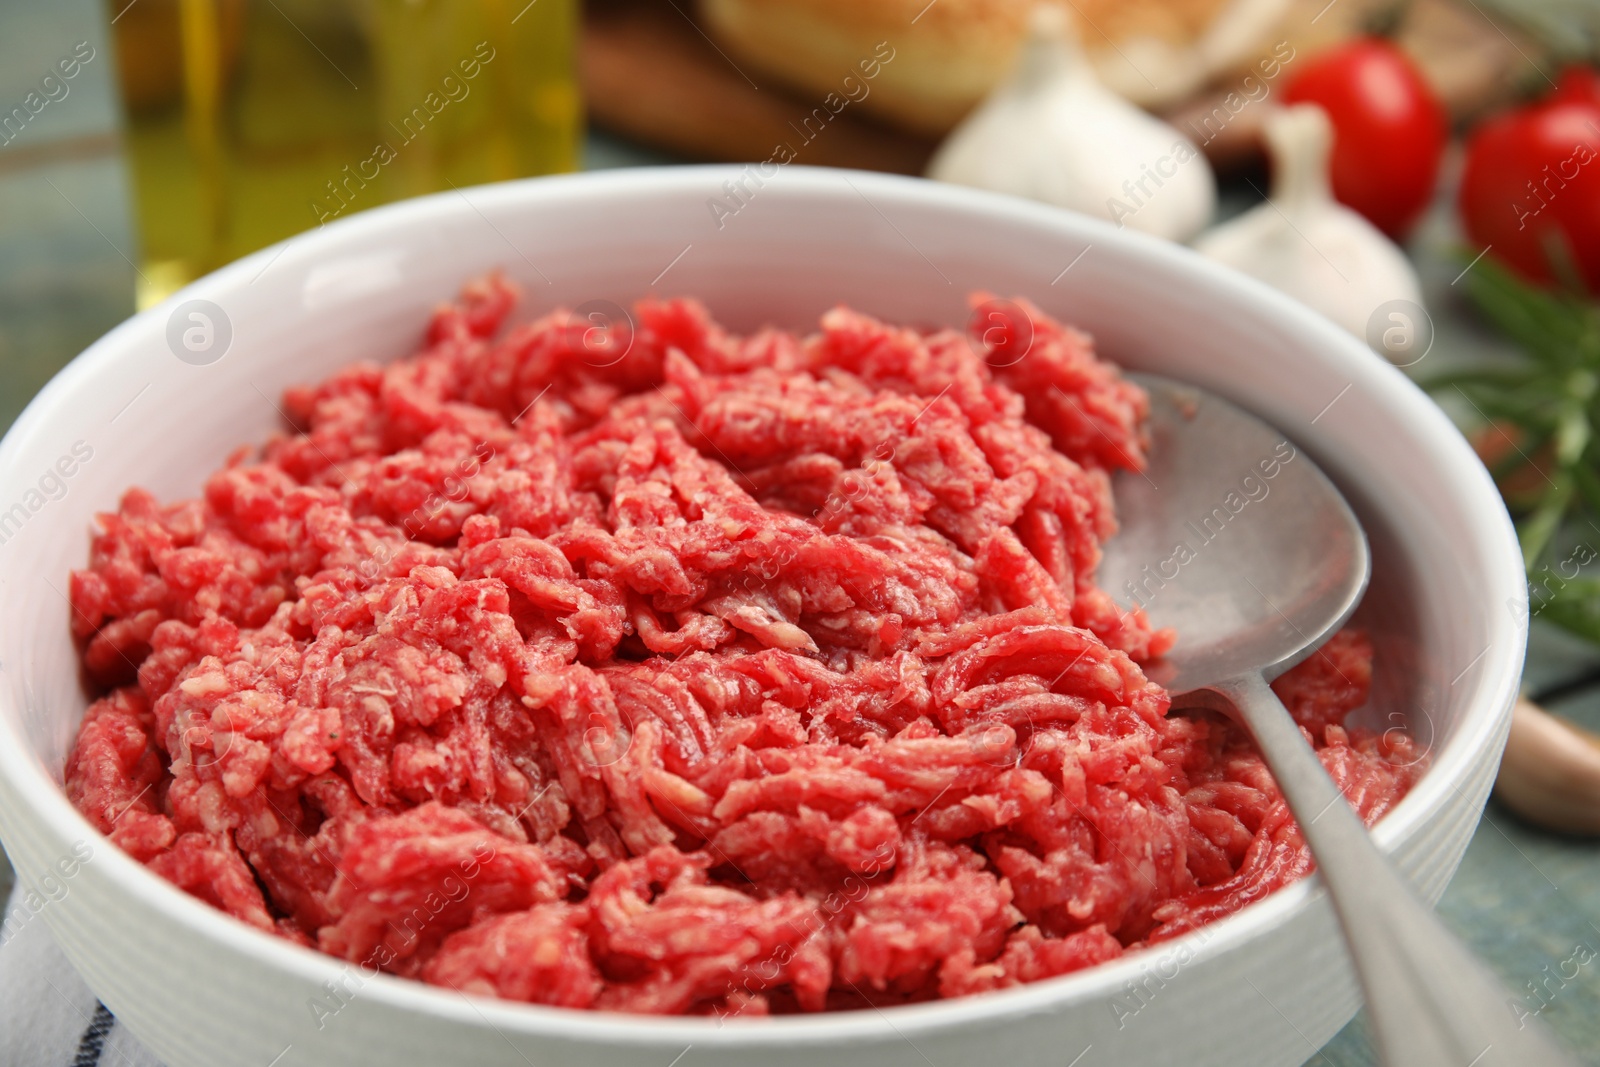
[1530,191]
[1389,130]
[1578,85]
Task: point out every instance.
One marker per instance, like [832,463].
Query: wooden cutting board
[652,75]
[649,74]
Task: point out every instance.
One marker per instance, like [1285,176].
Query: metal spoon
[1233,537]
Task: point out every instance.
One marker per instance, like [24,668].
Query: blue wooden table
[1527,901]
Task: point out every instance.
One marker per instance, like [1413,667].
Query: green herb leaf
[1575,607]
[1547,403]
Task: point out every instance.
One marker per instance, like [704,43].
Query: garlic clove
[1304,242]
[1550,773]
[1054,133]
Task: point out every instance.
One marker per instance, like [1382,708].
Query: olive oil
[248,121]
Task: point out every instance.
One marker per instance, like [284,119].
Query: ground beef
[659,669]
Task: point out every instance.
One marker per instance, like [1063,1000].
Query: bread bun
[949,54]
[944,61]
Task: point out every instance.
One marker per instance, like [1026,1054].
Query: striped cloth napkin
[48,1017]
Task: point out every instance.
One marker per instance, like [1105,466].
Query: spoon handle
[1430,1002]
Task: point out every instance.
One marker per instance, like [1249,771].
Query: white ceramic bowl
[1265,987]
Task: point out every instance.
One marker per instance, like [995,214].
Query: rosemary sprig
[1548,404]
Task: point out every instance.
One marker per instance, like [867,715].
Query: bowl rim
[45,803]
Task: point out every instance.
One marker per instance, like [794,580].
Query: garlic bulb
[1054,133]
[1320,252]
[1550,774]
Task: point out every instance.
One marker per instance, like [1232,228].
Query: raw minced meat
[667,670]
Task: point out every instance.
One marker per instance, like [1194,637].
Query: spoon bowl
[1234,538]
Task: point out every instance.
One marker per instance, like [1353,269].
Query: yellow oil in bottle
[248,121]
